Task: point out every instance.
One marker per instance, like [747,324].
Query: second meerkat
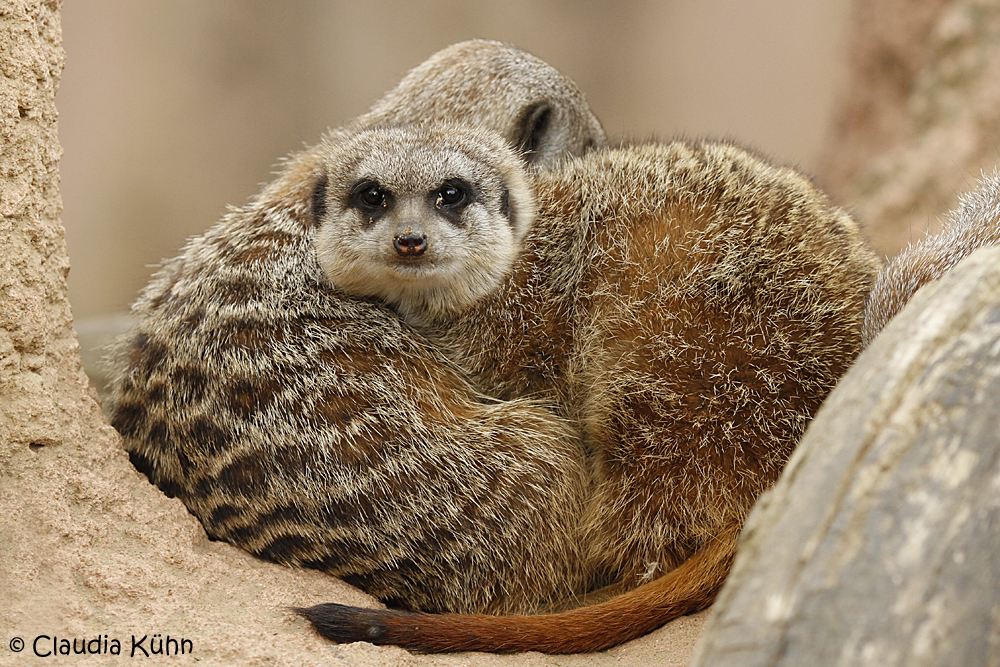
[689,304]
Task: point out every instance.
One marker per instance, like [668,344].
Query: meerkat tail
[689,588]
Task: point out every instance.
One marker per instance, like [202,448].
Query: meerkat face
[429,220]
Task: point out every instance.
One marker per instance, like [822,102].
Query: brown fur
[691,306]
[277,408]
[317,429]
[976,224]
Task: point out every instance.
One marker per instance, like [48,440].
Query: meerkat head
[500,87]
[427,219]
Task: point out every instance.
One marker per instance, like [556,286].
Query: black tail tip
[343,624]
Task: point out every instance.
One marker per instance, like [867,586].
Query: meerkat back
[722,300]
[691,305]
[317,429]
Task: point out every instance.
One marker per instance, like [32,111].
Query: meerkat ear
[319,198]
[534,127]
[517,202]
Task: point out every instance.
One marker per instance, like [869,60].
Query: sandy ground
[91,549]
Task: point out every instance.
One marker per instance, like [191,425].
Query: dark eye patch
[453,193]
[319,198]
[451,198]
[370,198]
[450,195]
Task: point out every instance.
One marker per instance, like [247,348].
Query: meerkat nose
[411,244]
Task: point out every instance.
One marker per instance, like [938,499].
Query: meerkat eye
[451,195]
[369,197]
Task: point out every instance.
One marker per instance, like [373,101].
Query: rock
[920,116]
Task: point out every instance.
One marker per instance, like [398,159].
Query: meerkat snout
[449,201]
[411,244]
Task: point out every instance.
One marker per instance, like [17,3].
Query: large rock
[880,545]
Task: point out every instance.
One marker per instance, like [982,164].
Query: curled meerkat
[317,429]
[975,224]
[689,304]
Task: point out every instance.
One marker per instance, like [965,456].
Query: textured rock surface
[920,120]
[879,544]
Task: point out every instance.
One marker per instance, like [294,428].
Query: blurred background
[171,111]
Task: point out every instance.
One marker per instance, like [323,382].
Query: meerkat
[975,224]
[689,304]
[317,429]
[498,87]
